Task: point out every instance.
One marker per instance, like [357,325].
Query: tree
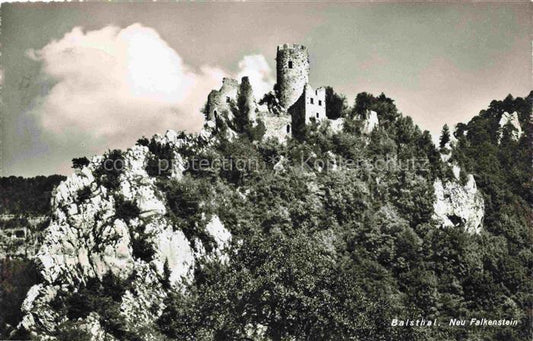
[80,162]
[444,136]
[16,278]
[363,102]
[243,109]
[110,169]
[272,103]
[335,104]
[166,275]
[20,195]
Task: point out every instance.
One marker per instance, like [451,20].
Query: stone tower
[292,66]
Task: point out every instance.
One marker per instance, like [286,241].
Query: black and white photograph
[266,170]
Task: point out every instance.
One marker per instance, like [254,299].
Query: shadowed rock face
[87,239]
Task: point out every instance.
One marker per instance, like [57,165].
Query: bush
[159,162]
[84,193]
[125,209]
[17,276]
[79,163]
[141,248]
[68,331]
[112,166]
[336,105]
[102,297]
[187,202]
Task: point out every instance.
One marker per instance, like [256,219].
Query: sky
[81,78]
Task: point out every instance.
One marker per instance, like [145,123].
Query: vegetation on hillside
[324,254]
[327,250]
[16,278]
[27,196]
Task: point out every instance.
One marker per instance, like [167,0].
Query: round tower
[292,66]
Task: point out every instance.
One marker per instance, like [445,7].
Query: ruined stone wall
[292,66]
[297,114]
[309,108]
[337,125]
[278,127]
[247,91]
[218,100]
[300,103]
[315,104]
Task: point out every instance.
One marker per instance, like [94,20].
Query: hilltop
[326,235]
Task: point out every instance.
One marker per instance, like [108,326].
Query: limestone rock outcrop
[370,122]
[88,239]
[511,119]
[457,205]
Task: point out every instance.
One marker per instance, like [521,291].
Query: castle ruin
[292,73]
[298,103]
[218,101]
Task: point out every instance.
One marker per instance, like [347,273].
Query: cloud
[114,85]
[259,73]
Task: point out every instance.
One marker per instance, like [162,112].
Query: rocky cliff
[287,239]
[89,238]
[101,228]
[457,205]
[124,236]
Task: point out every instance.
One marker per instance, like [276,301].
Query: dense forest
[27,196]
[23,198]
